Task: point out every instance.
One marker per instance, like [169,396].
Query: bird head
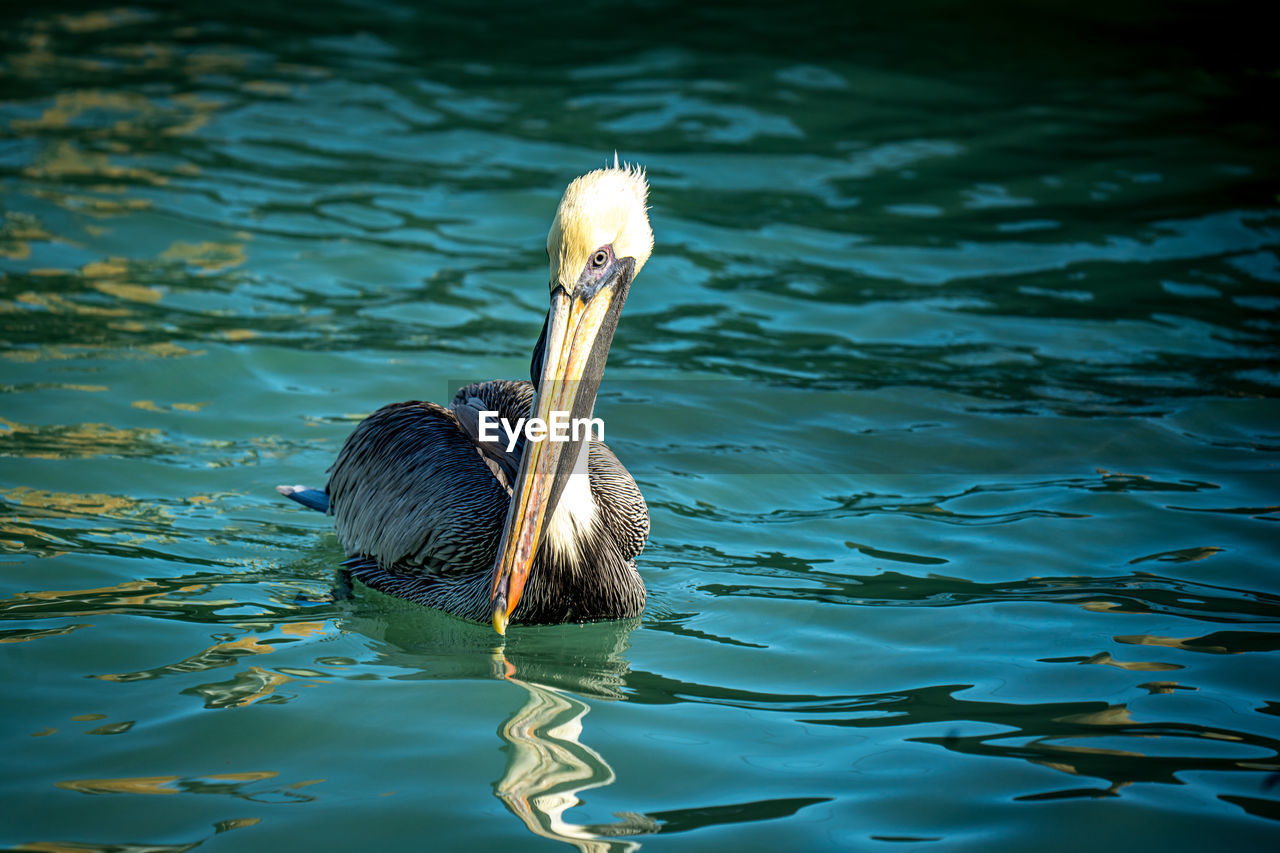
[601,218]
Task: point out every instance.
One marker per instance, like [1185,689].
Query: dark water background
[951,386]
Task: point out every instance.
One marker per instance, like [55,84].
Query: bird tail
[313,498]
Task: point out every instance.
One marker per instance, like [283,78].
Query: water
[951,386]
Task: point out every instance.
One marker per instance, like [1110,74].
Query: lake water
[952,387]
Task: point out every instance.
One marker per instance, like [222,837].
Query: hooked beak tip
[500,619]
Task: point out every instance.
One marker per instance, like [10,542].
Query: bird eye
[599,259]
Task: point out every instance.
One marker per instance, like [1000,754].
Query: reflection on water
[548,766]
[1065,737]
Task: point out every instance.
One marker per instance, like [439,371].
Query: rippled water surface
[951,387]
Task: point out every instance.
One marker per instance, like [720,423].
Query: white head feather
[606,207]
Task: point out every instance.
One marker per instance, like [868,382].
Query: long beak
[574,348]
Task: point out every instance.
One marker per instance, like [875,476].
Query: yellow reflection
[38,61]
[152,406]
[210,62]
[170,350]
[253,685]
[1134,665]
[270,88]
[27,635]
[89,503]
[1067,767]
[68,106]
[303,629]
[207,256]
[38,504]
[89,847]
[214,657]
[152,785]
[104,19]
[91,205]
[16,233]
[1220,736]
[252,776]
[306,783]
[66,353]
[1181,555]
[1190,644]
[1115,715]
[128,292]
[1044,743]
[50,386]
[1156,687]
[110,268]
[69,442]
[136,116]
[134,785]
[202,111]
[64,159]
[1100,606]
[107,599]
[56,304]
[248,645]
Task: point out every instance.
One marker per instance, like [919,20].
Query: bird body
[418,464]
[540,532]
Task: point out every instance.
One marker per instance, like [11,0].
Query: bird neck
[575,510]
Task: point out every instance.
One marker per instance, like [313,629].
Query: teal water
[952,387]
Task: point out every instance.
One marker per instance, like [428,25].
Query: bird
[430,508]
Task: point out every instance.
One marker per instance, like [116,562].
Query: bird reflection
[548,766]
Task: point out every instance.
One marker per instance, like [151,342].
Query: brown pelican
[546,531]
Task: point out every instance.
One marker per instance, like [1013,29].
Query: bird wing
[409,489]
[622,504]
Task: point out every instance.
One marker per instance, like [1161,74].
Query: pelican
[546,531]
